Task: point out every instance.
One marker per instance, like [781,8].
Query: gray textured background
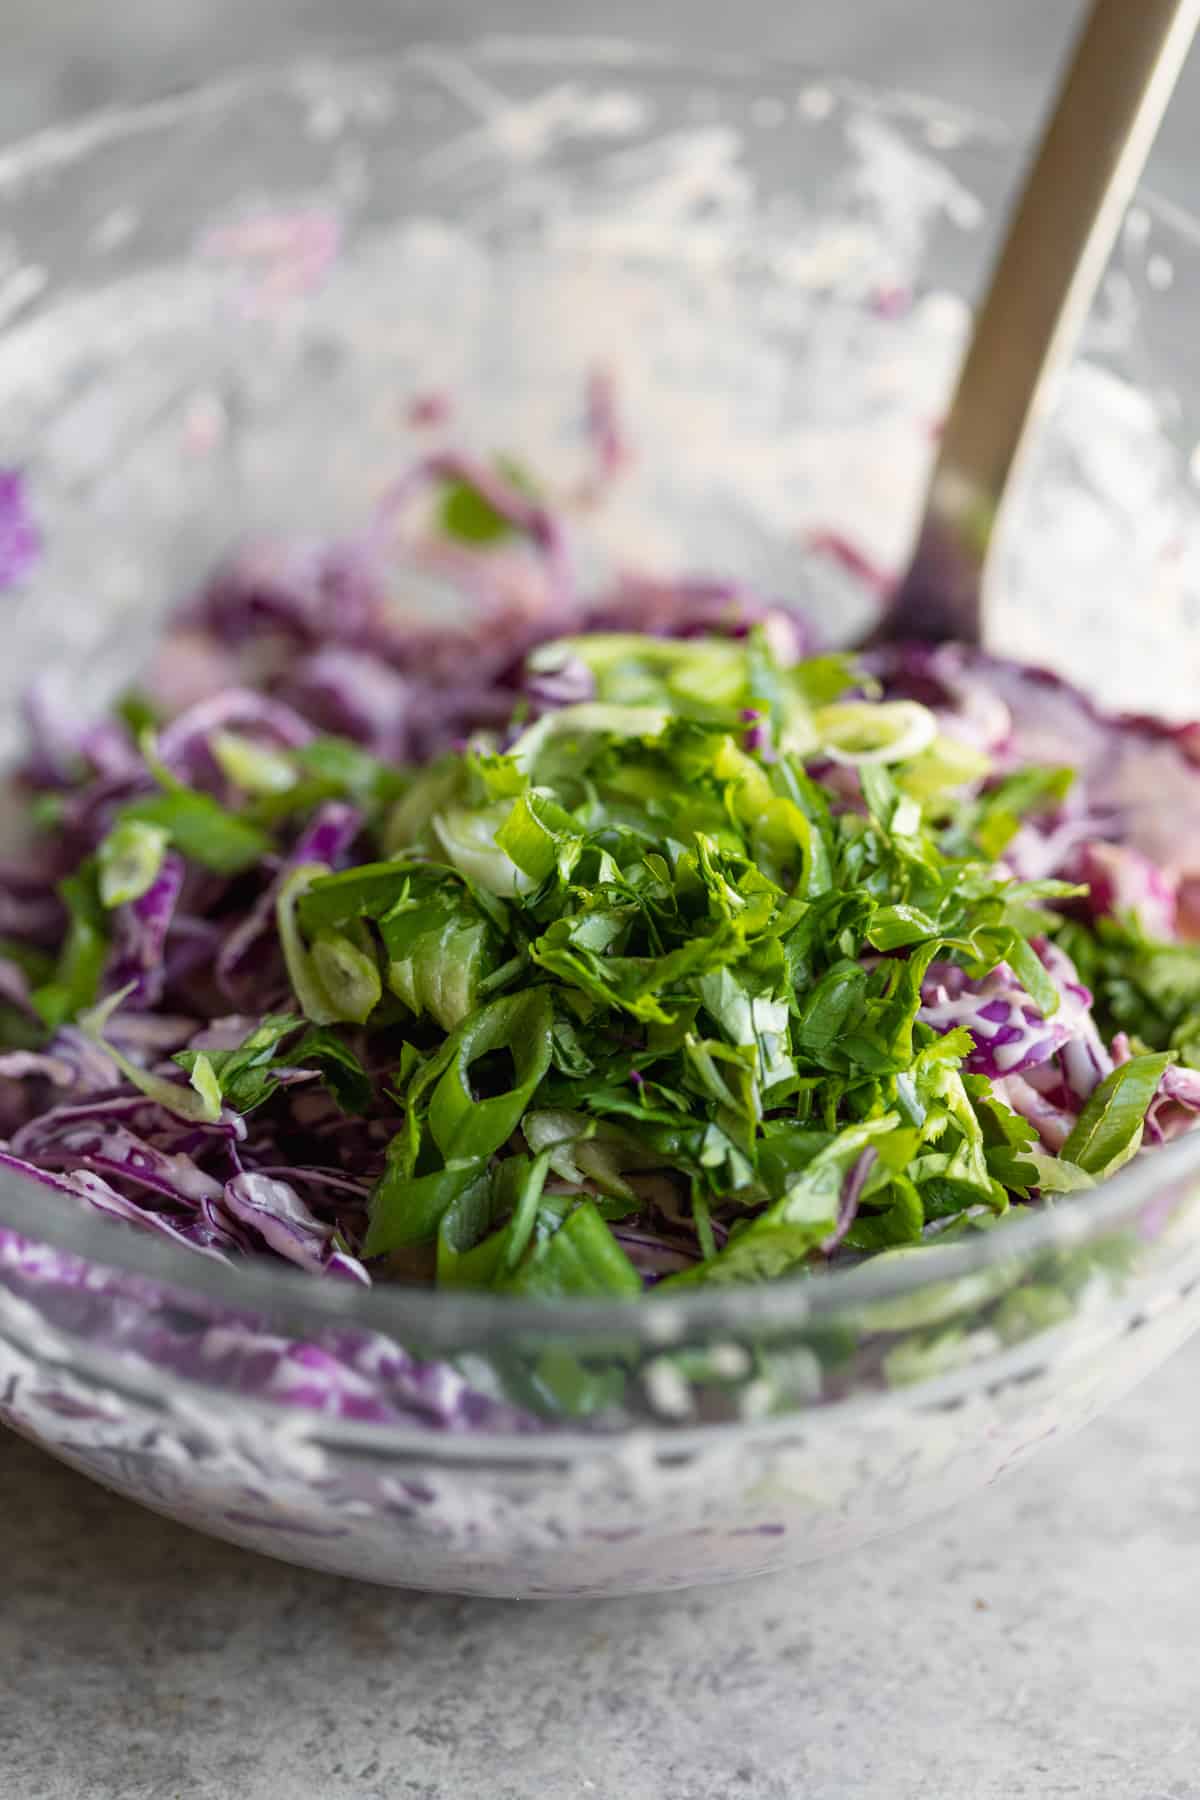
[1040,1642]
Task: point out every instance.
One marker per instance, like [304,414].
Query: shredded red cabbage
[20,539]
[161,1110]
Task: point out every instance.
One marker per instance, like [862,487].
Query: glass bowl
[244,310]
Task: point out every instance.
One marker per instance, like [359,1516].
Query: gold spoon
[1112,100]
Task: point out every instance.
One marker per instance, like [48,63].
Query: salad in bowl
[642,947]
[525,1067]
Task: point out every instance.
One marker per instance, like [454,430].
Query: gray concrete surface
[1041,1642]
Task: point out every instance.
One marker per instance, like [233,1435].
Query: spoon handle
[1115,92]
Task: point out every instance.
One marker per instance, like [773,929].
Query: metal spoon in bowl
[1109,107]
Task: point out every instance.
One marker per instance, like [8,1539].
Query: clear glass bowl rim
[446,1321]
